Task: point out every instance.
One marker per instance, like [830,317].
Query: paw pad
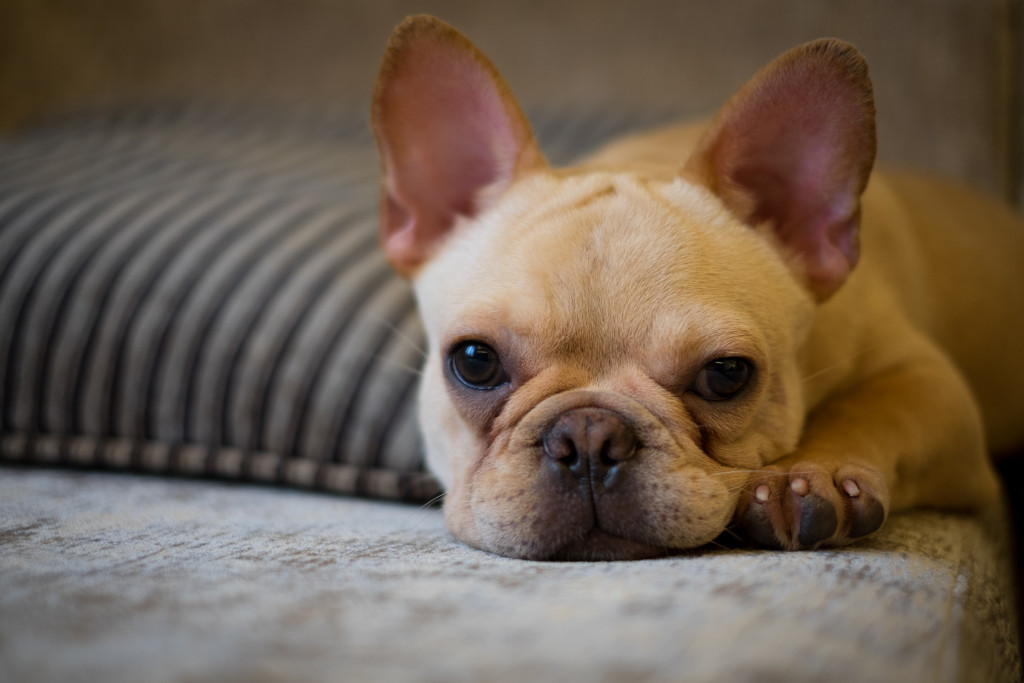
[818,520]
[811,509]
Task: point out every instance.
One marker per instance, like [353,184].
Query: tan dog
[629,356]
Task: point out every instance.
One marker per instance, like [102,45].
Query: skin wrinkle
[573,307]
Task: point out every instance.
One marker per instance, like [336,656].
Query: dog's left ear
[794,149]
[451,137]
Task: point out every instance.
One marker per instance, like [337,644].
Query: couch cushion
[196,289]
[113,578]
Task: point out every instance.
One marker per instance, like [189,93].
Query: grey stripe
[17,296]
[138,311]
[212,357]
[394,378]
[91,304]
[213,273]
[61,291]
[184,279]
[291,423]
[269,341]
[129,286]
[372,381]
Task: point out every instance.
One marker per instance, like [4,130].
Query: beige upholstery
[116,578]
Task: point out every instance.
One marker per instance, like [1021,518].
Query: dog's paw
[812,506]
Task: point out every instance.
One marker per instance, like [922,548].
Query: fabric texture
[108,577]
[197,290]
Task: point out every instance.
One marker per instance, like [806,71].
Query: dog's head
[610,351]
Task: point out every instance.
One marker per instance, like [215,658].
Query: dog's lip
[598,545]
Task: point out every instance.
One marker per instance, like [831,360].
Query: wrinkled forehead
[605,263]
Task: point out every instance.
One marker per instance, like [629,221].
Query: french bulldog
[735,325]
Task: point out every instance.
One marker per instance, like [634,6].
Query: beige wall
[947,72]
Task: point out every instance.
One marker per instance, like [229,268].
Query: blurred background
[948,73]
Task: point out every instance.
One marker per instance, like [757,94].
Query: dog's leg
[909,436]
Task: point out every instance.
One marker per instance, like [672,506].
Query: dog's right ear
[450,136]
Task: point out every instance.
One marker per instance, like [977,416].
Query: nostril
[588,439]
[610,455]
[560,446]
[618,443]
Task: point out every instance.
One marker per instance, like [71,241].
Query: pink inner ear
[799,181]
[795,149]
[447,129]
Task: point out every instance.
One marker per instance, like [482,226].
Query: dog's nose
[590,443]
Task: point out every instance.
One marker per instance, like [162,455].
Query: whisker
[405,337]
[741,477]
[436,499]
[830,368]
[420,514]
[716,544]
[391,362]
[754,471]
[736,538]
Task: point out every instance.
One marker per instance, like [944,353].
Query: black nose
[590,443]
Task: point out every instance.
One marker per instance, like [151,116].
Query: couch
[209,466]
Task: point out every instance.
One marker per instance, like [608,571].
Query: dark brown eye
[722,379]
[477,366]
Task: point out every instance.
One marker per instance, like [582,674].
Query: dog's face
[610,353]
[581,401]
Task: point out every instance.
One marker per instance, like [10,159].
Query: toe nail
[851,488]
[762,493]
[800,486]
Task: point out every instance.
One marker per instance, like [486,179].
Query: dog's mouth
[598,545]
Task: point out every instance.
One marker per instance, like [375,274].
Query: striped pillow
[197,290]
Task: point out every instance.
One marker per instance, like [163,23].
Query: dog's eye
[722,379]
[477,366]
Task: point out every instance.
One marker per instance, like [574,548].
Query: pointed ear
[793,149]
[447,129]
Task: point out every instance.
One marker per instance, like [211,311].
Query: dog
[690,332]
